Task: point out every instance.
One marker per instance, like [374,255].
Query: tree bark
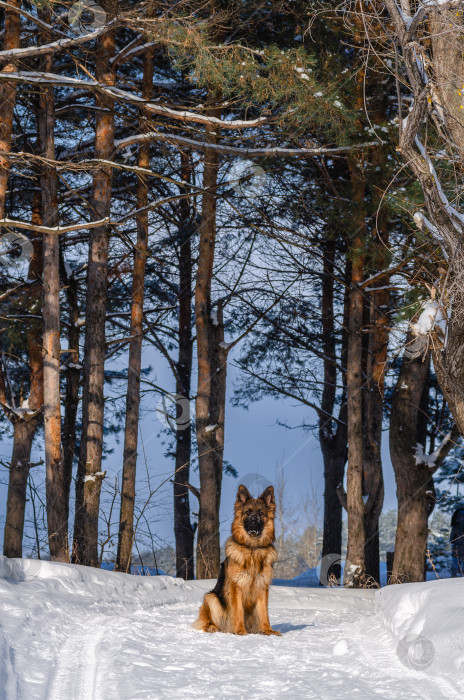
[23,436]
[446,26]
[72,378]
[355,571]
[332,434]
[7,100]
[57,508]
[379,330]
[25,427]
[183,530]
[89,477]
[211,376]
[210,438]
[126,517]
[407,431]
[446,66]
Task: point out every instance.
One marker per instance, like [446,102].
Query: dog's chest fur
[248,567]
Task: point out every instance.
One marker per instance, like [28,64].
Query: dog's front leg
[263,615]
[237,610]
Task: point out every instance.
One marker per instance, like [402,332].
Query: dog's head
[253,523]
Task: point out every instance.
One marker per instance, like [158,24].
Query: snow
[92,477]
[70,632]
[341,648]
[431,316]
[422,457]
[24,408]
[434,613]
[430,460]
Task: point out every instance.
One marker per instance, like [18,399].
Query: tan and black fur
[239,601]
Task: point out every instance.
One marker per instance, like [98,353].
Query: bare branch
[55,46]
[124,96]
[56,229]
[242,151]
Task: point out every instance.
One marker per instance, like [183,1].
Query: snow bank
[427,621]
[95,587]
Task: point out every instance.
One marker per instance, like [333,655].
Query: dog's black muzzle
[253,525]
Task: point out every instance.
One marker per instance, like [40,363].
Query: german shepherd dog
[239,601]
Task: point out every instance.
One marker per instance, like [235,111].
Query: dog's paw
[211,629]
[269,632]
[241,631]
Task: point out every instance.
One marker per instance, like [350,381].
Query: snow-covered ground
[69,632]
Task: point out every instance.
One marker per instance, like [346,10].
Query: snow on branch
[55,46]
[124,96]
[240,151]
[434,460]
[56,229]
[432,317]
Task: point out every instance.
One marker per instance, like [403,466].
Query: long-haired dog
[239,601]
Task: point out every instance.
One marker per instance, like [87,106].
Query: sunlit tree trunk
[211,372]
[355,572]
[57,508]
[90,475]
[379,329]
[7,99]
[126,518]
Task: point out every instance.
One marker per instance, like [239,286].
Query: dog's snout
[253,524]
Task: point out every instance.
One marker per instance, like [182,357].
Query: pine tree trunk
[57,508]
[72,376]
[332,435]
[89,478]
[183,530]
[211,372]
[211,450]
[408,428]
[7,100]
[375,384]
[355,572]
[23,436]
[126,518]
[24,429]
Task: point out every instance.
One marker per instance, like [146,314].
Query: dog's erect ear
[242,494]
[268,496]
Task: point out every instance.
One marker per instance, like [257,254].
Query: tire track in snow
[75,676]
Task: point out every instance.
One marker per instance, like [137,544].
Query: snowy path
[69,633]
